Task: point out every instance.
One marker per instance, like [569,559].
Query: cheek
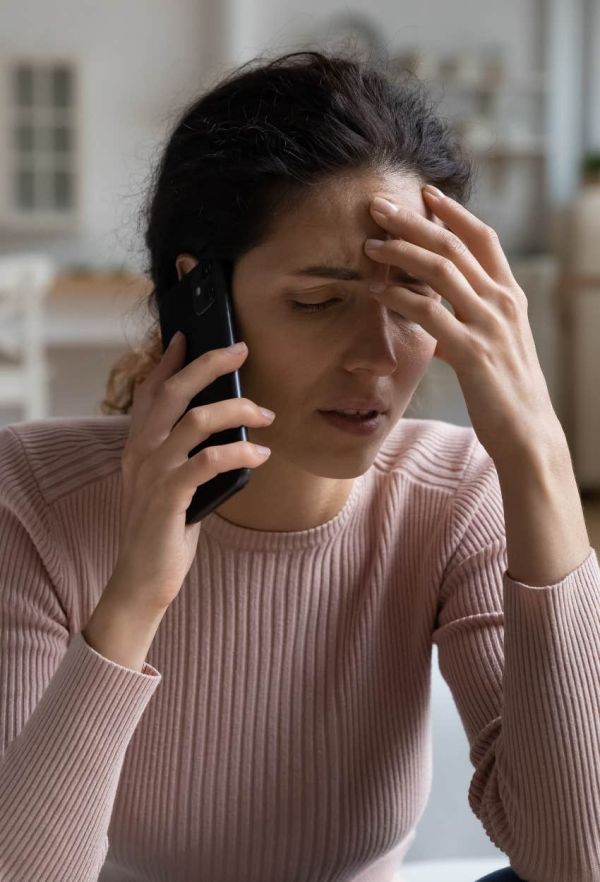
[276,377]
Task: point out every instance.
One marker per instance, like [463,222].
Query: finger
[440,274]
[430,314]
[171,398]
[481,239]
[170,362]
[412,227]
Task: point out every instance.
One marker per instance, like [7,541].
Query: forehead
[329,226]
[348,196]
[333,219]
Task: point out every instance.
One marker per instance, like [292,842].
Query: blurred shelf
[38,223]
[97,309]
[99,284]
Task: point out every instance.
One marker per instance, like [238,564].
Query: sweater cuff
[586,574]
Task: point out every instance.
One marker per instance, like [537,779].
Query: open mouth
[371,414]
[357,423]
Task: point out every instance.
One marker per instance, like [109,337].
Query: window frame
[39,220]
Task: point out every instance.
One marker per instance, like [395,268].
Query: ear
[185,263]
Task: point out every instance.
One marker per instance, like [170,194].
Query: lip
[362,404]
[355,427]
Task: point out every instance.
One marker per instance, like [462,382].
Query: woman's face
[301,361]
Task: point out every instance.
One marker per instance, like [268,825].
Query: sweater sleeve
[67,714]
[523,666]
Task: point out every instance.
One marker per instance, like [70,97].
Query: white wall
[140,61]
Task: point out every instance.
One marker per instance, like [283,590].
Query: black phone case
[200,306]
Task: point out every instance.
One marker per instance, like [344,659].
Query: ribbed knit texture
[280,729]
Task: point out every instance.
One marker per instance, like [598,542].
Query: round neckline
[235,536]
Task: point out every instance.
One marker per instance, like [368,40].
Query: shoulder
[432,452]
[60,455]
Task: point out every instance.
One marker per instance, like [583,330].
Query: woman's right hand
[156,546]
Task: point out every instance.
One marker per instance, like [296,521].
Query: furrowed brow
[343,273]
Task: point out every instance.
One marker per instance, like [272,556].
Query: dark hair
[257,142]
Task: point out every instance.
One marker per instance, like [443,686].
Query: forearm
[546,533]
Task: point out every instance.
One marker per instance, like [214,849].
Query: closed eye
[313,307]
[326,304]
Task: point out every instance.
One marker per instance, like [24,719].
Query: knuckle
[252,408]
[443,268]
[490,234]
[198,416]
[452,245]
[249,409]
[212,457]
[429,307]
[404,215]
[519,295]
[508,303]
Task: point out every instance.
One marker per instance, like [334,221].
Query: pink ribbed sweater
[280,730]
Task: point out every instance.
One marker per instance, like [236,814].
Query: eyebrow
[343,273]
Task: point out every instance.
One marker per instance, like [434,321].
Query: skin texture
[300,361]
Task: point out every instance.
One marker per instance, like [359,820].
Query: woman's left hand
[488,341]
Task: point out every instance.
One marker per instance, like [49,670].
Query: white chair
[450,869]
[25,281]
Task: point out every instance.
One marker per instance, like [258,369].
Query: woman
[247,698]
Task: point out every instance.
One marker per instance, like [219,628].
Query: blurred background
[88,92]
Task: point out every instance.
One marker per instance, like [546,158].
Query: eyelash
[312,307]
[317,307]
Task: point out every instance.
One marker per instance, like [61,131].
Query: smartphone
[200,306]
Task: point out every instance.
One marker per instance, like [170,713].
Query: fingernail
[384,205]
[174,339]
[267,413]
[237,347]
[262,451]
[373,243]
[434,191]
